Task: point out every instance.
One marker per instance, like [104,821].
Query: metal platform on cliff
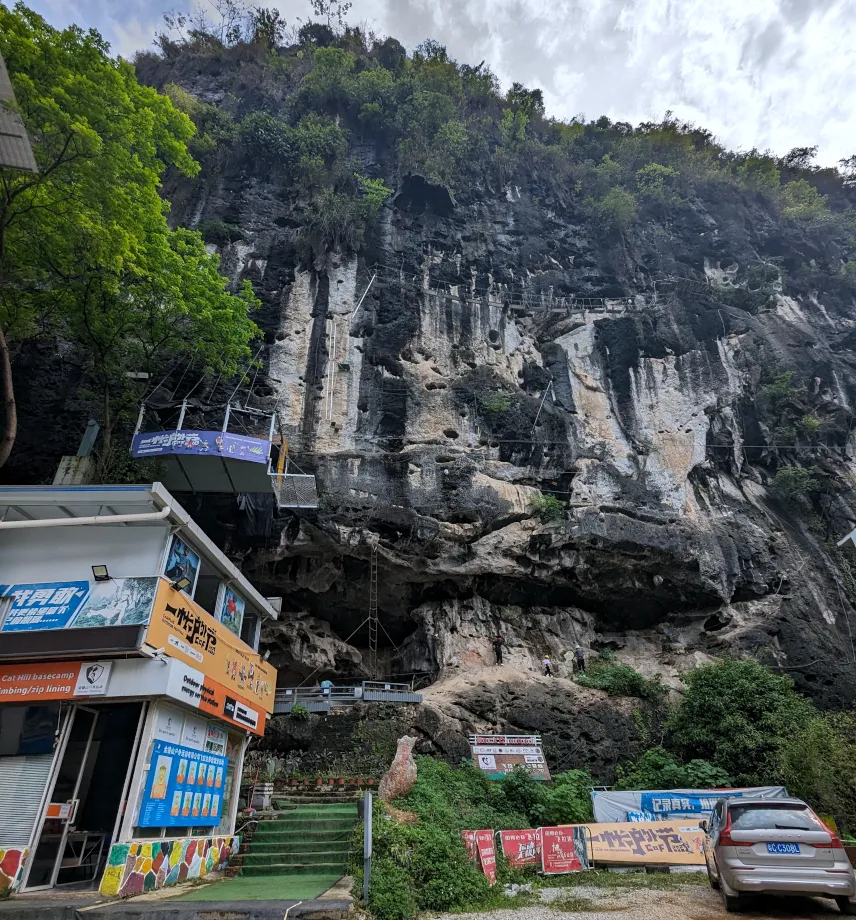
[224,461]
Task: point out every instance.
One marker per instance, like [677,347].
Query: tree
[658,769]
[85,250]
[332,11]
[737,715]
[802,201]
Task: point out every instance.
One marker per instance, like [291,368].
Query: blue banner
[184,788]
[47,605]
[201,443]
[675,803]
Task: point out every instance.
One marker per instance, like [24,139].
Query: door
[58,845]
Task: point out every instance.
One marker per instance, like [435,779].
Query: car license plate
[783,848]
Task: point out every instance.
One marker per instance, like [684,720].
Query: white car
[775,846]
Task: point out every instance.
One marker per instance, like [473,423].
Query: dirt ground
[685,903]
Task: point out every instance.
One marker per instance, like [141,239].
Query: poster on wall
[187,632]
[118,602]
[182,562]
[47,605]
[184,788]
[194,732]
[215,739]
[232,611]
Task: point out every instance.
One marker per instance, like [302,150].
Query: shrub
[619,679]
[266,139]
[219,232]
[795,482]
[496,403]
[736,715]
[548,508]
[300,713]
[802,201]
[658,769]
[617,208]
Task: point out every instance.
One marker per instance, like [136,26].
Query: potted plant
[264,788]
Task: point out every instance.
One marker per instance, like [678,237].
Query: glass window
[28,730]
[772,817]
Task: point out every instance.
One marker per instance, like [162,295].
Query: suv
[775,846]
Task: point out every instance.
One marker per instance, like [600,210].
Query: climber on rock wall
[498,643]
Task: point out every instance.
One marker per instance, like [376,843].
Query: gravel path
[691,903]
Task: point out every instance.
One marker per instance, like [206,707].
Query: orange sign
[649,843]
[21,683]
[185,631]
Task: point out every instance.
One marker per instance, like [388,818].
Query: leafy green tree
[656,182]
[85,250]
[737,715]
[658,769]
[802,201]
[617,208]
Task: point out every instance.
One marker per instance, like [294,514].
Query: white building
[130,683]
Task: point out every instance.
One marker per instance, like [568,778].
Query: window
[770,817]
[28,730]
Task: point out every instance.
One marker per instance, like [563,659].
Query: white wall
[47,554]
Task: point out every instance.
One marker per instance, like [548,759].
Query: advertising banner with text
[185,631]
[487,854]
[62,680]
[521,848]
[563,849]
[653,843]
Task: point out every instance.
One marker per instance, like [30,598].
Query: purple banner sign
[201,443]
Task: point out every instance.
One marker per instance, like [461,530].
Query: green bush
[658,769]
[802,201]
[737,715]
[548,508]
[795,482]
[496,403]
[299,713]
[617,208]
[219,232]
[617,679]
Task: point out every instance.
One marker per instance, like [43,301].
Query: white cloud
[762,73]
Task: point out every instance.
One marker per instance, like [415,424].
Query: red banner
[559,850]
[487,854]
[521,848]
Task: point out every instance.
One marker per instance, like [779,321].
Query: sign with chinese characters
[612,807]
[521,848]
[185,631]
[653,843]
[195,689]
[201,443]
[497,755]
[469,838]
[563,849]
[62,680]
[79,604]
[47,605]
[184,788]
[487,854]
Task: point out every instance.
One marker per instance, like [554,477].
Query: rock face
[443,380]
[437,385]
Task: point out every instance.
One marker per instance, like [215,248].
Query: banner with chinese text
[521,848]
[487,854]
[563,849]
[184,788]
[652,843]
[185,631]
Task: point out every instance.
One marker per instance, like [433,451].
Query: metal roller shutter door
[22,785]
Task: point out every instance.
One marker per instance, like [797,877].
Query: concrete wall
[47,554]
[148,865]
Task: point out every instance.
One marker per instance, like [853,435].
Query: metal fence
[323,699]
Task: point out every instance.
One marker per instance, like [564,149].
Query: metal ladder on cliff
[373,616]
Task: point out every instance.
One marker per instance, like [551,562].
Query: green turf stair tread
[306,855]
[303,827]
[332,868]
[301,846]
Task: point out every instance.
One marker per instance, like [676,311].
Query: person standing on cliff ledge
[580,659]
[498,643]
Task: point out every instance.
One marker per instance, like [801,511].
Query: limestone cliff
[473,378]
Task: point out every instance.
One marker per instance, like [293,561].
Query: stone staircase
[307,839]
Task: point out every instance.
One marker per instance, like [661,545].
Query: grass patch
[573,905]
[617,679]
[619,881]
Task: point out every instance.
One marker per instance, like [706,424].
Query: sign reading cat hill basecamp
[185,631]
[497,755]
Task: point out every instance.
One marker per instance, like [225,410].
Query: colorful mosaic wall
[11,868]
[136,867]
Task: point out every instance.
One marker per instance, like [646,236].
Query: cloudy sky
[767,73]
